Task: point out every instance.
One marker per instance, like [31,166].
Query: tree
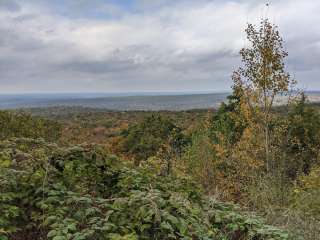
[262,76]
[146,138]
[20,124]
[302,139]
[227,124]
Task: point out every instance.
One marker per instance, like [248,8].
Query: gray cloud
[9,5]
[149,45]
[99,67]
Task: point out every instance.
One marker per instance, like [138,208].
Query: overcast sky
[145,45]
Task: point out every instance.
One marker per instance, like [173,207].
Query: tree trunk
[267,147]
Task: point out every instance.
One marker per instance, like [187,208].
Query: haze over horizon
[145,46]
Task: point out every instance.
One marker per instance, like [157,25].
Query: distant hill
[123,102]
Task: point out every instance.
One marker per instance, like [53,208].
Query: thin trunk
[267,146]
[266,126]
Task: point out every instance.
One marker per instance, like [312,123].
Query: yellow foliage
[249,151]
[307,194]
[309,182]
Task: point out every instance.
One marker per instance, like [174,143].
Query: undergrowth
[80,192]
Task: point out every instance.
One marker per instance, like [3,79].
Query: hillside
[80,192]
[70,180]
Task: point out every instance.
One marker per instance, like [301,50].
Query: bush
[307,194]
[24,125]
[48,192]
[144,139]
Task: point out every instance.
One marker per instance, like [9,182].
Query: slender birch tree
[262,77]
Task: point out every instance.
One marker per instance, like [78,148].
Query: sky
[145,45]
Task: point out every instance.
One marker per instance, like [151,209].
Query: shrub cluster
[80,192]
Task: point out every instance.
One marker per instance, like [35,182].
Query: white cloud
[188,45]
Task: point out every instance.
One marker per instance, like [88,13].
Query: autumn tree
[263,76]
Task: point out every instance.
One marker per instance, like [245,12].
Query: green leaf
[52,233]
[59,238]
[2,237]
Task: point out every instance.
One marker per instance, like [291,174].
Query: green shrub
[19,124]
[48,192]
[144,139]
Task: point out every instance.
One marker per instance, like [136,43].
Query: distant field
[123,102]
